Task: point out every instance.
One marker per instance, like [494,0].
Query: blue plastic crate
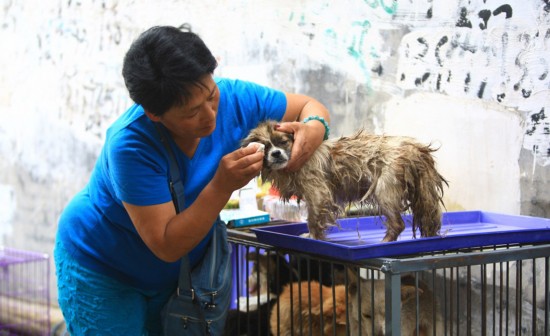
[360,238]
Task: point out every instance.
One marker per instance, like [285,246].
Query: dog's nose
[276,153]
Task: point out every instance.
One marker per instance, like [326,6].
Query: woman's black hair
[161,66]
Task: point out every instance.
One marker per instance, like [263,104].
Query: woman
[120,239]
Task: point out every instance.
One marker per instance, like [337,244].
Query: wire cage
[24,293]
[500,289]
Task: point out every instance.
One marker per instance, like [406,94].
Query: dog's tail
[425,193]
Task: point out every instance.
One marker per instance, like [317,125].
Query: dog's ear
[410,284]
[408,279]
[408,292]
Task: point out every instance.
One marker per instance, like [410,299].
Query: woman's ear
[152,116]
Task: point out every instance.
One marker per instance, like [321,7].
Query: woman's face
[197,118]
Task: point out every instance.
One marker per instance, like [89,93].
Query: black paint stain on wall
[441,42]
[424,43]
[481,89]
[463,19]
[504,9]
[378,69]
[484,14]
[536,120]
[467,82]
[419,81]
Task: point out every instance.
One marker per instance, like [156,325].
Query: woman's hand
[237,168]
[307,137]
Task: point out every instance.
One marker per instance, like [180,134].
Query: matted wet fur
[392,173]
[306,304]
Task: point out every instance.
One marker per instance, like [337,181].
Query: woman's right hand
[169,235]
[237,168]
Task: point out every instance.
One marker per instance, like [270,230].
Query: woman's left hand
[307,137]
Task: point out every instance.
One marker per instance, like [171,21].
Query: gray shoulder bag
[201,302]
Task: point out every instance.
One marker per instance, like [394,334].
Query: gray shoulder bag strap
[176,189]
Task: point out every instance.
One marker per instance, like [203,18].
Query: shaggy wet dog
[392,173]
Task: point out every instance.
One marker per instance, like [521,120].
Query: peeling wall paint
[496,51]
[469,75]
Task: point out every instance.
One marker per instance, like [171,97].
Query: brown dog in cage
[392,173]
[308,304]
[269,273]
[372,309]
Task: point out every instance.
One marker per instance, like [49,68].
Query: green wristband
[321,119]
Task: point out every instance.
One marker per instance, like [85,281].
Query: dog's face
[303,305]
[277,144]
[372,308]
[334,309]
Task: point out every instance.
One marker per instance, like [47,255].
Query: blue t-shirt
[133,167]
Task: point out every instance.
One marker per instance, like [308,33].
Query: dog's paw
[313,236]
[305,235]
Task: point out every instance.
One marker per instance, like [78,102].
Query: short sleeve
[137,168]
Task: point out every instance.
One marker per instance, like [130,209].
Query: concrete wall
[471,76]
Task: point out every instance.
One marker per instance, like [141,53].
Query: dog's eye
[366,315]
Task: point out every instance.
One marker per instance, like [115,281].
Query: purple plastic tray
[360,238]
